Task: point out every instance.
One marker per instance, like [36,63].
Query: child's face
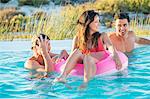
[94,26]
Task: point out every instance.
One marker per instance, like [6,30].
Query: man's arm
[140,40]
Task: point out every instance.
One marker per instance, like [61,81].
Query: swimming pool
[14,83]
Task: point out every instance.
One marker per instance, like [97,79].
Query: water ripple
[131,83]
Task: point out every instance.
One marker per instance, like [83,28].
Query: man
[123,39]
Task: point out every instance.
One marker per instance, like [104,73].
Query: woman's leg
[90,66]
[89,70]
[70,64]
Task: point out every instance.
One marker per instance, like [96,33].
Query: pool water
[133,82]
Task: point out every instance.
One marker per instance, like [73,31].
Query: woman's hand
[113,51]
[117,61]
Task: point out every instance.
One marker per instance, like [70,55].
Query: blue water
[15,83]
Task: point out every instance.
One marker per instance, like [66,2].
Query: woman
[88,48]
[42,60]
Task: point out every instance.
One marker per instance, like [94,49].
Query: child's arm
[48,64]
[52,54]
[64,54]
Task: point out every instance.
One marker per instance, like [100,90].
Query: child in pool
[42,60]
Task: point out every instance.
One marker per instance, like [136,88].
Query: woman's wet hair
[87,17]
[83,22]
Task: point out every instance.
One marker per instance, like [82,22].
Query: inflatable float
[105,66]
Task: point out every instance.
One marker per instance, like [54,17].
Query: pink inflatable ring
[105,66]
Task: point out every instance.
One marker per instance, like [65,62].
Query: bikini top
[99,48]
[38,60]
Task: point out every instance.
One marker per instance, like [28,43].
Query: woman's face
[94,26]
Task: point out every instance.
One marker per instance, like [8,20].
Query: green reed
[58,25]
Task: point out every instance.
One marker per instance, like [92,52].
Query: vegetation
[36,3]
[141,26]
[61,24]
[142,6]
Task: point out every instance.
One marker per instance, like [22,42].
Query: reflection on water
[15,83]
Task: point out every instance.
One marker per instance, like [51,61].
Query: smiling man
[123,39]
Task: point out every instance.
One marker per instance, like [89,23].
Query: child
[42,60]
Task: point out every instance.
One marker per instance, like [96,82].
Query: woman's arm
[112,49]
[74,45]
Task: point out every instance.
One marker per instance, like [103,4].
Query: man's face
[122,27]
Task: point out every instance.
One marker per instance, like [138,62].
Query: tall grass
[141,26]
[57,25]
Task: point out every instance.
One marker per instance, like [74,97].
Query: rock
[66,2]
[33,2]
[5,11]
[9,13]
[4,1]
[106,19]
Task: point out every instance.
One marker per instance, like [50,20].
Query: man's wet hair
[122,16]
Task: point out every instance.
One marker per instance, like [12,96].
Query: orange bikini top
[38,60]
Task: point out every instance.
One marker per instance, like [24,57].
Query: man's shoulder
[111,34]
[131,33]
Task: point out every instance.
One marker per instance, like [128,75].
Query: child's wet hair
[43,36]
[36,37]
